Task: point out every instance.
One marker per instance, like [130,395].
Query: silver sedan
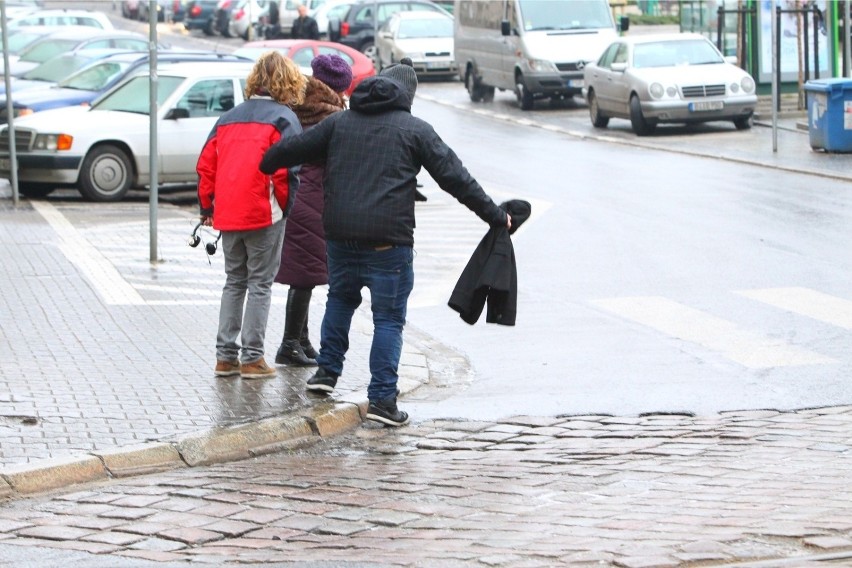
[677,78]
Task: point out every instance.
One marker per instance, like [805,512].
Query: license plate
[706,105]
[5,164]
[575,83]
[436,64]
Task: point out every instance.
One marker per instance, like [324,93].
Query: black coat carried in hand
[491,275]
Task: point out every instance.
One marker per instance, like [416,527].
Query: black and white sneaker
[323,382]
[386,412]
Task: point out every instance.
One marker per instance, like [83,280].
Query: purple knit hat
[333,71]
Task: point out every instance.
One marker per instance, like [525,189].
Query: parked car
[87,84]
[330,10]
[73,40]
[103,150]
[243,18]
[679,78]
[200,15]
[63,17]
[167,11]
[130,9]
[424,37]
[21,38]
[54,70]
[357,27]
[303,51]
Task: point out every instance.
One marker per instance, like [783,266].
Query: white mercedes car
[672,78]
[103,150]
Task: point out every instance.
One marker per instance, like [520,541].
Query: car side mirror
[177,113]
[618,67]
[505,28]
[624,23]
[732,59]
[333,29]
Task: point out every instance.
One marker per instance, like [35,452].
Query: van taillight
[239,14]
[344,29]
[195,11]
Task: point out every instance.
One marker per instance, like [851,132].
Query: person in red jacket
[249,208]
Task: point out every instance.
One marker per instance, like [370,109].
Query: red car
[302,52]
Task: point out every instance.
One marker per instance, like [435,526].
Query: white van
[537,48]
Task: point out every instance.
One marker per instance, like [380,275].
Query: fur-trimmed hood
[320,101]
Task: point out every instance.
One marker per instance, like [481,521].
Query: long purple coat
[303,261]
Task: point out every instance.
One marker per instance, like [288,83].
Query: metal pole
[816,42]
[776,100]
[153,82]
[13,157]
[847,40]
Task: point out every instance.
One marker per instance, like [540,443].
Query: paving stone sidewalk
[108,358]
[751,488]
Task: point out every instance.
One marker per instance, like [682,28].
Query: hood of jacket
[379,94]
[320,101]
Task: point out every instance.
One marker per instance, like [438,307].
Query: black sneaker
[322,381]
[386,412]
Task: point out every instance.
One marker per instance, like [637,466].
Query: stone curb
[208,447]
[216,445]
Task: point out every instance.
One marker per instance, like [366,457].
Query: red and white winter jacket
[231,188]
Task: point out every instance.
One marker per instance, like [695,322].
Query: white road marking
[98,270]
[806,302]
[747,348]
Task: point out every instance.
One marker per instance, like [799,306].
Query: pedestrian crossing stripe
[98,270]
[806,302]
[745,347]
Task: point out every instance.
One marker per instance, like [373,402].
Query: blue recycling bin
[830,114]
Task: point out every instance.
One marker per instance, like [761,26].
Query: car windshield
[48,49]
[57,68]
[95,77]
[674,53]
[18,41]
[133,95]
[409,29]
[576,14]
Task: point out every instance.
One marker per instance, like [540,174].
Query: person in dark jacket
[303,262]
[249,208]
[373,153]
[304,27]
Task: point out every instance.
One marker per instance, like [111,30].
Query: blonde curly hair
[277,76]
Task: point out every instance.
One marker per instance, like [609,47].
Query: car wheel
[473,90]
[106,174]
[641,126]
[210,30]
[487,94]
[744,122]
[369,49]
[28,189]
[525,97]
[598,120]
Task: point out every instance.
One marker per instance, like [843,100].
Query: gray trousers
[251,262]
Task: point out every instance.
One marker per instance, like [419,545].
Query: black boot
[305,341]
[296,313]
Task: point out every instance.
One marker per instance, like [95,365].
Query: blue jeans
[389,275]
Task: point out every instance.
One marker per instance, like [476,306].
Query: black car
[201,15]
[357,27]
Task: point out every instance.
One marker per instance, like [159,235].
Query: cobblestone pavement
[761,488]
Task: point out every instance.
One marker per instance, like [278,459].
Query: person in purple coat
[303,258]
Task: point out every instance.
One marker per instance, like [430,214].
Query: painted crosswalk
[744,346]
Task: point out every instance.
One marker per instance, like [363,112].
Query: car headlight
[747,83]
[657,90]
[53,142]
[542,65]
